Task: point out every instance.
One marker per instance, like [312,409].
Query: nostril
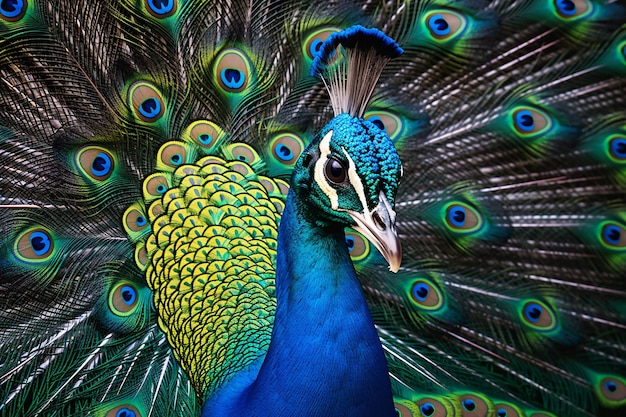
[379,221]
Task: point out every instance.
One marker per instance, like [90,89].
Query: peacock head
[349,175]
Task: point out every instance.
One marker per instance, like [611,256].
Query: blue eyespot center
[612,234]
[439,25]
[129,295]
[161,6]
[469,405]
[101,165]
[40,242]
[150,107]
[457,216]
[566,7]
[501,412]
[378,122]
[141,221]
[125,412]
[610,386]
[617,148]
[315,46]
[524,120]
[421,291]
[427,409]
[533,311]
[176,159]
[350,243]
[161,188]
[205,138]
[11,8]
[284,153]
[232,78]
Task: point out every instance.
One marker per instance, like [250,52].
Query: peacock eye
[335,171]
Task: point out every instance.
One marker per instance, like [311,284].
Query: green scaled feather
[212,241]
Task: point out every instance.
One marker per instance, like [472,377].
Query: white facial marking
[320,166]
[356,182]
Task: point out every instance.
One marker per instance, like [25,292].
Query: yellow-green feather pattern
[211,259]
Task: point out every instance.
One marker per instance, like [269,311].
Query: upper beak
[379,227]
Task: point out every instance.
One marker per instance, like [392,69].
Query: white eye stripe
[353,176]
[355,180]
[320,166]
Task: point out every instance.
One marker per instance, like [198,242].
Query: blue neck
[325,358]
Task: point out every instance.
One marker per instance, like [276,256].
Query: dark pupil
[611,386]
[285,151]
[458,215]
[335,171]
[98,163]
[534,312]
[8,5]
[379,123]
[127,295]
[427,409]
[422,291]
[317,46]
[568,5]
[149,105]
[441,24]
[527,120]
[614,234]
[469,405]
[37,243]
[233,75]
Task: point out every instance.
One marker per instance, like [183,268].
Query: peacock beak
[379,227]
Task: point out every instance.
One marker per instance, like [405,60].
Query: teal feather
[138,126]
[453,31]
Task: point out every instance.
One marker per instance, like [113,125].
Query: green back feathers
[210,262]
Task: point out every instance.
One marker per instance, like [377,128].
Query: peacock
[348,208]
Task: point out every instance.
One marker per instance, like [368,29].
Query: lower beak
[379,227]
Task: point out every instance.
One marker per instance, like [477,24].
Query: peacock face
[349,174]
